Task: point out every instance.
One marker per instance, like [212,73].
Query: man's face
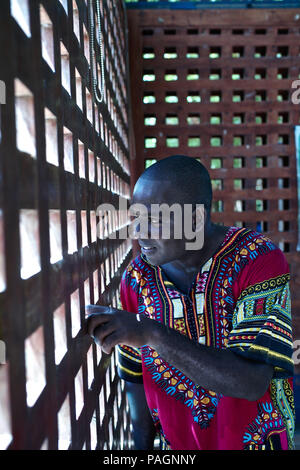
[160,250]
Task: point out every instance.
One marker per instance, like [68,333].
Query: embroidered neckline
[170,285]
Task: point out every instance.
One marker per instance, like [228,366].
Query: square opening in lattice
[215,74]
[260,31]
[35,365]
[147,32]
[260,74]
[239,205]
[261,205]
[261,184]
[261,162]
[51,138]
[171,120]
[170,53]
[238,183]
[172,142]
[75,313]
[193,119]
[149,75]
[5,422]
[65,68]
[282,51]
[60,334]
[238,32]
[20,12]
[84,228]
[89,105]
[261,118]
[283,95]
[171,97]
[148,53]
[215,97]
[217,206]
[86,44]
[150,142]
[260,51]
[193,74]
[192,53]
[79,396]
[238,140]
[283,161]
[283,117]
[260,95]
[239,162]
[215,31]
[237,52]
[283,139]
[283,183]
[30,243]
[261,140]
[149,162]
[47,38]
[283,73]
[149,98]
[68,150]
[194,141]
[216,163]
[238,96]
[170,32]
[55,236]
[71,231]
[216,141]
[171,75]
[92,169]
[76,26]
[217,184]
[283,204]
[284,225]
[238,118]
[64,425]
[149,120]
[25,119]
[78,89]
[215,52]
[2,254]
[237,74]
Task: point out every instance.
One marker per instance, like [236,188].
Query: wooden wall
[216,85]
[62,154]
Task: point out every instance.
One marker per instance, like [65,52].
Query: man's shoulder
[253,243]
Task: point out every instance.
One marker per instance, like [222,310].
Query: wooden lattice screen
[62,154]
[216,85]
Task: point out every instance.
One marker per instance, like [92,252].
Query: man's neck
[213,237]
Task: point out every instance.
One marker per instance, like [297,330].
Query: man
[204,335]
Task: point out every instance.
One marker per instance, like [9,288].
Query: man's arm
[142,422]
[219,370]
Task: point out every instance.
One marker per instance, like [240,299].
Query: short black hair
[188,175]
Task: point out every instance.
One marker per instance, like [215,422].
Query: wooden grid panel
[216,85]
[61,156]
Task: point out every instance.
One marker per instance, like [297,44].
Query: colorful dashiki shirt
[240,300]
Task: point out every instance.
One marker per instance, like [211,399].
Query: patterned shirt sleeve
[261,324]
[129,358]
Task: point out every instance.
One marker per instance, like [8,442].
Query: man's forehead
[154,192]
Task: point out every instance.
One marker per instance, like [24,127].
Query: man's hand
[110,326]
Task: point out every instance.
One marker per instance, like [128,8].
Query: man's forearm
[218,370]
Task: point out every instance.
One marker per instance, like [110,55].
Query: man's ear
[199,218]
